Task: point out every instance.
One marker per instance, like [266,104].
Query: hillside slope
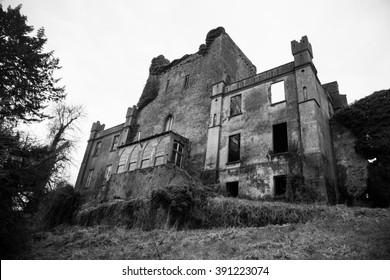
[339,233]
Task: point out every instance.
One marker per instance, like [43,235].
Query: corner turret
[302,51]
[96,127]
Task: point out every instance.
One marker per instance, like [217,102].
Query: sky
[106,47]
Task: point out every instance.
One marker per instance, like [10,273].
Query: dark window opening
[166,87]
[115,143]
[97,148]
[186,81]
[280,138]
[234,148]
[89,178]
[177,154]
[168,123]
[280,183]
[235,105]
[305,93]
[232,189]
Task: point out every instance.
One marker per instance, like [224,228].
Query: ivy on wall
[150,91]
[369,121]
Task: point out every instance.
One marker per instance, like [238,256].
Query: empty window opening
[235,105]
[89,178]
[177,154]
[168,123]
[280,183]
[232,189]
[97,148]
[107,174]
[305,93]
[115,143]
[277,92]
[280,138]
[186,81]
[234,148]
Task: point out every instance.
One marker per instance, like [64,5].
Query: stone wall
[351,167]
[140,183]
[190,106]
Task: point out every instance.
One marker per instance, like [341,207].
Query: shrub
[184,206]
[58,207]
[13,233]
[369,121]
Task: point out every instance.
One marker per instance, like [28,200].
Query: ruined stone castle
[211,116]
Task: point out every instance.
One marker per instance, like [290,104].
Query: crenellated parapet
[302,51]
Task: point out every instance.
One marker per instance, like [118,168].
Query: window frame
[272,94]
[177,154]
[114,144]
[186,81]
[276,141]
[168,123]
[108,173]
[230,155]
[89,178]
[231,108]
[98,148]
[167,85]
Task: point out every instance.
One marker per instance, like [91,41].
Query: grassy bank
[332,233]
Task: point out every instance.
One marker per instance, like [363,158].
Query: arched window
[124,156]
[215,120]
[168,123]
[134,158]
[161,151]
[305,97]
[146,156]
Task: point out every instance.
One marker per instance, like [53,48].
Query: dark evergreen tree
[27,81]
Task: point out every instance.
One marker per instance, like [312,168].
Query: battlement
[96,127]
[303,45]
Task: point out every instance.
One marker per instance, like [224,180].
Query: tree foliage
[28,168]
[27,81]
[369,120]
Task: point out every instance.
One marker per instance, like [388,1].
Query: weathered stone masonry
[210,115]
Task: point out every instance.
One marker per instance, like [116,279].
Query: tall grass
[195,207]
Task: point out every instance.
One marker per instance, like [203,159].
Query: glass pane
[132,166]
[159,160]
[145,163]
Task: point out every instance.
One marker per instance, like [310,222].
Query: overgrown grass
[194,207]
[337,233]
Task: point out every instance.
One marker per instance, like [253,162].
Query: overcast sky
[105,47]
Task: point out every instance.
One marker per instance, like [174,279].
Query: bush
[183,206]
[58,207]
[13,233]
[378,188]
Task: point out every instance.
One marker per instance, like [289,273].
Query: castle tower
[313,108]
